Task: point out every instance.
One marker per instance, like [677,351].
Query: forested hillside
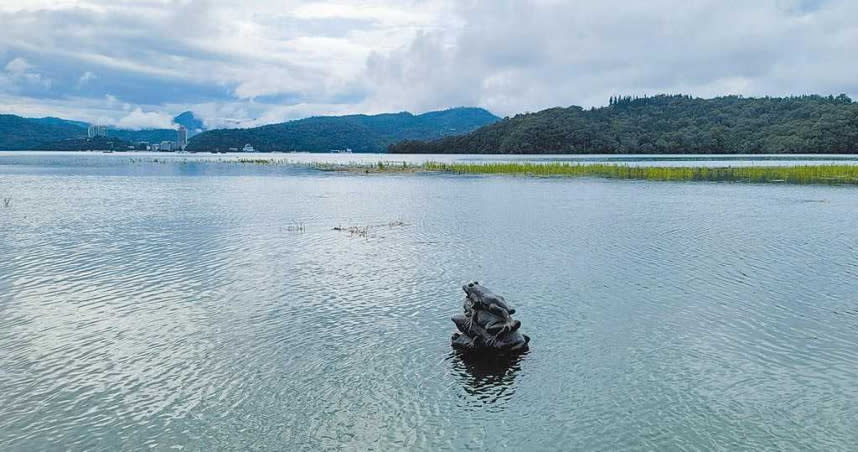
[57,134]
[25,133]
[360,133]
[667,124]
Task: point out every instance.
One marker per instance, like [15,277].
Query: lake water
[185,301]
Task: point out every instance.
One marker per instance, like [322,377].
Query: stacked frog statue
[487,325]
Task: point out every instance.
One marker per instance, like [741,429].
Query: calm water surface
[210,305]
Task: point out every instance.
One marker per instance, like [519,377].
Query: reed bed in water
[806,174]
[803,174]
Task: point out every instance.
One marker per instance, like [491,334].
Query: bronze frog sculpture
[487,324]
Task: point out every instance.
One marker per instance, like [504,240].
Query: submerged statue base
[487,324]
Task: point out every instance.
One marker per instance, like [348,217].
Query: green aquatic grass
[806,174]
[803,174]
[379,167]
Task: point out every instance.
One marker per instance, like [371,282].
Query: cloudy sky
[136,63]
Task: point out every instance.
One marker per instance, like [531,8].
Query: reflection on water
[168,305]
[487,380]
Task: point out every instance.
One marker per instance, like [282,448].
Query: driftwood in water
[487,323]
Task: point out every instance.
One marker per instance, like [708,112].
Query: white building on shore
[96,130]
[182,138]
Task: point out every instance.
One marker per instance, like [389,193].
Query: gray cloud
[139,61]
[512,56]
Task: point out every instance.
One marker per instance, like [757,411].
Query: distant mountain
[186,119]
[361,133]
[667,125]
[50,133]
[190,122]
[50,120]
[24,133]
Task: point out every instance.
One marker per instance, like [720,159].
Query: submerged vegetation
[805,174]
[294,227]
[365,230]
[379,167]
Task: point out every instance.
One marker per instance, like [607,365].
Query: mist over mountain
[360,133]
[51,133]
[667,124]
[190,122]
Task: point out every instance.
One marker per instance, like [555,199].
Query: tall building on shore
[96,130]
[182,139]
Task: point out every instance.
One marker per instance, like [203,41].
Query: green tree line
[667,124]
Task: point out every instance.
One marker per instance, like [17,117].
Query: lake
[152,301]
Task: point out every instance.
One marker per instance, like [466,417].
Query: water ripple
[168,310]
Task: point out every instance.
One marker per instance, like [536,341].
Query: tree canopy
[361,133]
[667,124]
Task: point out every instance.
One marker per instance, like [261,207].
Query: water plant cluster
[365,230]
[354,231]
[795,174]
[378,167]
[294,226]
[805,174]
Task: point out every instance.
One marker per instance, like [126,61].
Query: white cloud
[263,60]
[513,56]
[17,66]
[19,78]
[86,78]
[387,12]
[138,119]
